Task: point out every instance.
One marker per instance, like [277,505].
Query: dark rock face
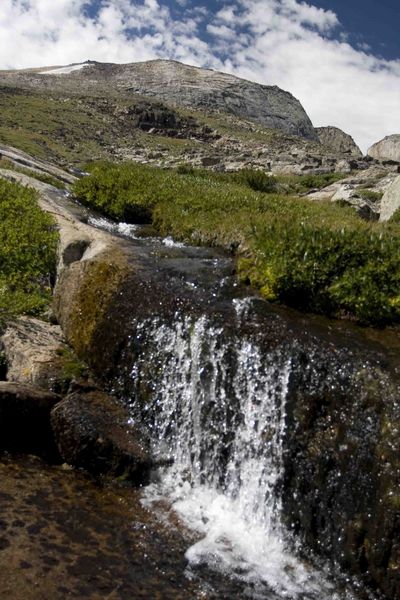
[25,419]
[342,482]
[92,432]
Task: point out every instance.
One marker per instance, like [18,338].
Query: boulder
[25,419]
[338,141]
[94,432]
[33,351]
[391,200]
[386,149]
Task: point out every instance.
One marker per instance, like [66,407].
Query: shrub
[257,180]
[28,243]
[370,195]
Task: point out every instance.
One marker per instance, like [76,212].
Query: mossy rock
[83,296]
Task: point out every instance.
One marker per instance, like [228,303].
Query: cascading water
[216,407]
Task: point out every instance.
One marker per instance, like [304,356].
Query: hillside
[164,113]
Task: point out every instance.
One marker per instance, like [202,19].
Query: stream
[219,378]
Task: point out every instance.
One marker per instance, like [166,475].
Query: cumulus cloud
[289,43]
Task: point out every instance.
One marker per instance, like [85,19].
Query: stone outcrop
[386,149]
[390,200]
[25,419]
[94,432]
[338,141]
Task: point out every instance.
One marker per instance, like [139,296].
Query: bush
[28,244]
[370,195]
[257,180]
[315,256]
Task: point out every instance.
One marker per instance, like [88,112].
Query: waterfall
[215,404]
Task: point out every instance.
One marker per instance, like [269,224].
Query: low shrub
[28,244]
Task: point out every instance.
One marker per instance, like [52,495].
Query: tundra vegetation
[315,256]
[28,245]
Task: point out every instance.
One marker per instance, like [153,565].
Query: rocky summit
[165,113]
[186,86]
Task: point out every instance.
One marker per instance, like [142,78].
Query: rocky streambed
[227,407]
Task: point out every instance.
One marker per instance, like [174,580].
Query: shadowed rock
[93,432]
[25,419]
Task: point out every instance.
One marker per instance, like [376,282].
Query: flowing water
[216,409]
[220,381]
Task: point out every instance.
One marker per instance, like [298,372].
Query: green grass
[28,243]
[315,256]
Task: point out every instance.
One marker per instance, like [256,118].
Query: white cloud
[288,43]
[336,84]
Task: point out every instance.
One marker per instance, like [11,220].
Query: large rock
[33,350]
[94,432]
[338,141]
[386,149]
[391,200]
[25,419]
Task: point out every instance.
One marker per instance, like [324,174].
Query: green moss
[100,283]
[71,366]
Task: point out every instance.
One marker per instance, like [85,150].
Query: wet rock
[33,352]
[93,431]
[341,492]
[25,419]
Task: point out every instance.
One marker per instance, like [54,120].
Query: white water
[124,229]
[218,412]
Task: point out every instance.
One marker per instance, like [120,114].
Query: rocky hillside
[185,86]
[161,112]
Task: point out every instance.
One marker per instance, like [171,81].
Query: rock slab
[31,347]
[390,201]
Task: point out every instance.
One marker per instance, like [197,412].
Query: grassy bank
[28,243]
[316,256]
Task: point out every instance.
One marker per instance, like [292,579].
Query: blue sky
[371,23]
[340,58]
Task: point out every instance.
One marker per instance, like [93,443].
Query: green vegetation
[316,256]
[71,367]
[44,177]
[395,218]
[28,243]
[371,195]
